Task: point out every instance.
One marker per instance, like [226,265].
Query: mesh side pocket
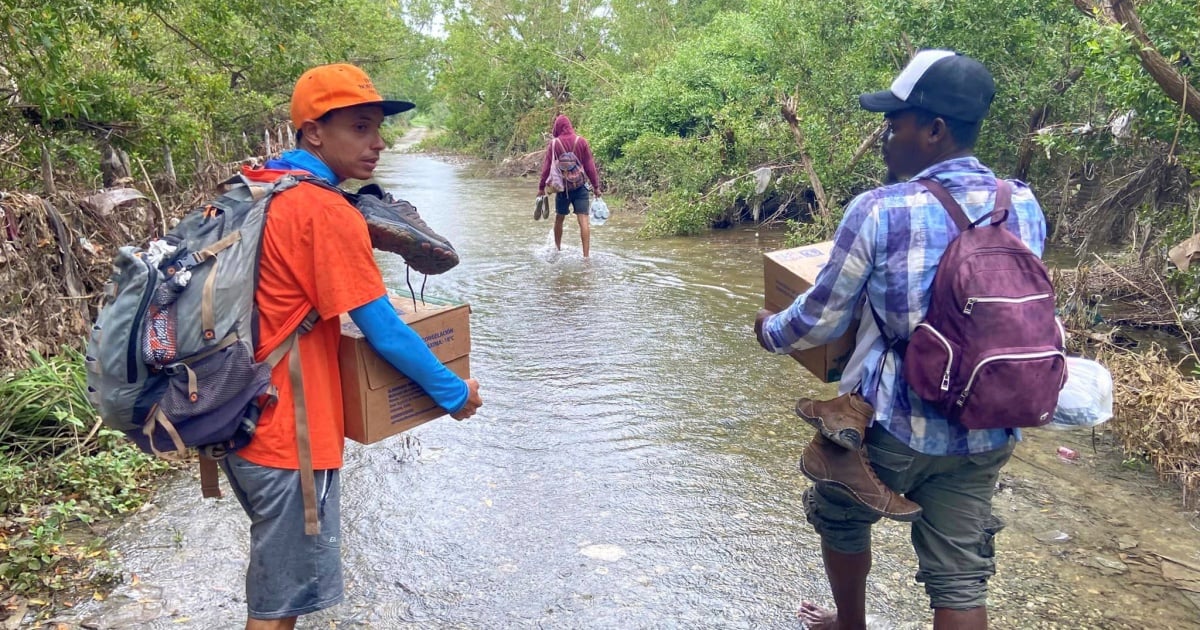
[159,345]
[206,401]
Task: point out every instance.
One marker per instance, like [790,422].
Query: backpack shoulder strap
[947,200]
[291,348]
[1000,208]
[1003,203]
[899,344]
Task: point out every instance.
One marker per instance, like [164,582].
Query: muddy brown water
[633,466]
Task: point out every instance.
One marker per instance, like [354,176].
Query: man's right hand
[474,401]
[759,320]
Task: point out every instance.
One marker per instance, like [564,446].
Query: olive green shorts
[953,539]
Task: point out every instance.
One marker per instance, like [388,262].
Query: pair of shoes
[541,208]
[843,420]
[846,474]
[395,226]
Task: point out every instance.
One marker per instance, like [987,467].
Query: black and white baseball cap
[941,81]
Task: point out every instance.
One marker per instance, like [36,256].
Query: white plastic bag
[1087,398]
[599,212]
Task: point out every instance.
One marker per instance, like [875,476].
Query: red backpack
[990,352]
[569,167]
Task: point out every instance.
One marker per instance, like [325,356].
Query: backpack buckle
[183,263]
[171,369]
[191,260]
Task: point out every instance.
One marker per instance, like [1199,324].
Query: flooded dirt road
[633,466]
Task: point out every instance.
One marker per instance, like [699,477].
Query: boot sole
[845,438]
[846,493]
[423,254]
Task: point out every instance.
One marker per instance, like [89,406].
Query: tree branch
[1037,119]
[1122,13]
[193,43]
[866,145]
[789,114]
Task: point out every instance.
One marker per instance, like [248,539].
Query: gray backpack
[170,360]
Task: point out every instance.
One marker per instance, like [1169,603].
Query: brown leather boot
[843,420]
[846,473]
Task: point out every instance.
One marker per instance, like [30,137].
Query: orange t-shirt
[316,254]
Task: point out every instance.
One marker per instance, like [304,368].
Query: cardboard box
[378,400]
[787,273]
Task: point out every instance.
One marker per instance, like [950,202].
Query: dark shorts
[290,574]
[580,199]
[953,539]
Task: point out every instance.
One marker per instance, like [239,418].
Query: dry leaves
[54,261]
[1157,414]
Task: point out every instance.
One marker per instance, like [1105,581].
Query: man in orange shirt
[316,256]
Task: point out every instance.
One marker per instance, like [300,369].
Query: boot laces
[408,281]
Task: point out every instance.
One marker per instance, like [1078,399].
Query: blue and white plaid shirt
[888,247]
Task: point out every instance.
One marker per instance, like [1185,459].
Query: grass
[61,470]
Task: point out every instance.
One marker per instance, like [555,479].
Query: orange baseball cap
[323,89]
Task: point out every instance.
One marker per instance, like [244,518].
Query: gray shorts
[953,539]
[290,574]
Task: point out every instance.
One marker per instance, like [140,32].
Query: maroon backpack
[990,352]
[569,167]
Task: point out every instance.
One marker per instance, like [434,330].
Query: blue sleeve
[407,352]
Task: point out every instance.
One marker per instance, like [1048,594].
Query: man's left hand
[759,321]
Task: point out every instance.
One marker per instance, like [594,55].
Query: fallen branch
[48,173]
[789,114]
[158,209]
[866,145]
[1178,317]
[1127,280]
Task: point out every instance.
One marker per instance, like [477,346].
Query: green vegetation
[59,468]
[202,78]
[680,99]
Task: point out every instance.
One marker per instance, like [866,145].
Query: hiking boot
[396,227]
[847,474]
[843,420]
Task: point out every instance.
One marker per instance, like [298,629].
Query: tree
[148,74]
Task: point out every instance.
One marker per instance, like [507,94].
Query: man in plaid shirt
[886,250]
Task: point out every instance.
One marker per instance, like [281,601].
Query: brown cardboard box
[378,400]
[789,272]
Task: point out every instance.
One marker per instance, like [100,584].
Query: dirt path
[412,138]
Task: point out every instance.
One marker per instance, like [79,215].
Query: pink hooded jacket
[565,139]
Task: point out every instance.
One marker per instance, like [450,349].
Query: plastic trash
[1053,537]
[1067,453]
[599,212]
[1087,398]
[762,179]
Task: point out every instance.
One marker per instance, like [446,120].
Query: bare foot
[816,617]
